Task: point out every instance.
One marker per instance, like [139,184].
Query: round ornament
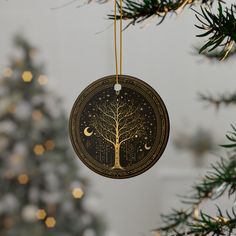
[119,133]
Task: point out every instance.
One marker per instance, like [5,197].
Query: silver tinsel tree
[41,190]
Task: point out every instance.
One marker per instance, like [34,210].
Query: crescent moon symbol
[87,133]
[146,147]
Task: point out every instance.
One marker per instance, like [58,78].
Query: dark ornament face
[119,136]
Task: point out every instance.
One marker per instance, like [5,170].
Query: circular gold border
[158,106]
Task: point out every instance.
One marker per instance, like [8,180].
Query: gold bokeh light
[42,79]
[23,179]
[7,72]
[39,150]
[41,214]
[221,219]
[196,213]
[77,193]
[50,222]
[49,144]
[27,76]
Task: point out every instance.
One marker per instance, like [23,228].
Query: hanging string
[115,40]
[121,36]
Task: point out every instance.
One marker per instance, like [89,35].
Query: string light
[196,213]
[7,72]
[224,220]
[37,115]
[42,80]
[49,144]
[77,193]
[23,179]
[27,76]
[221,219]
[39,150]
[41,214]
[50,222]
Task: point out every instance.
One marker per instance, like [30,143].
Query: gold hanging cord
[115,40]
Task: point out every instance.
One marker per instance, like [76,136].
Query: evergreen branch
[175,221]
[222,177]
[220,28]
[231,136]
[229,99]
[181,223]
[139,11]
[215,55]
[216,182]
[209,225]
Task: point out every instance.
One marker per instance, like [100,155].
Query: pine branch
[231,136]
[220,28]
[222,177]
[229,99]
[209,225]
[215,55]
[216,182]
[182,223]
[139,11]
[175,221]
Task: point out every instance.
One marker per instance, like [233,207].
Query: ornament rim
[155,154]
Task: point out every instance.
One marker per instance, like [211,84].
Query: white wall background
[162,56]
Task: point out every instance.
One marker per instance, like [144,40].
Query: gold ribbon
[115,40]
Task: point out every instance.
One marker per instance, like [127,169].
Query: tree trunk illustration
[117,157]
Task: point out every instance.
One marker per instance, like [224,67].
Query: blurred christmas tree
[41,190]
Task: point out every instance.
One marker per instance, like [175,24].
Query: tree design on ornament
[119,135]
[117,122]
